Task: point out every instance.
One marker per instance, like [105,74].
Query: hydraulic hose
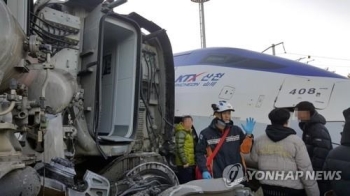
[43,90]
[9,109]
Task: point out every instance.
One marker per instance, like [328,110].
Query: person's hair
[279,116]
[186,117]
[306,106]
[214,107]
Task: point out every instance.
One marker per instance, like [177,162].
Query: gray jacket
[282,150]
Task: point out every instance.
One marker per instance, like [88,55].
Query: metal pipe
[116,3]
[9,109]
[43,90]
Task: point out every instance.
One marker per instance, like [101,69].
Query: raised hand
[249,126]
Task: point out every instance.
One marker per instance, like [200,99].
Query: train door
[296,89]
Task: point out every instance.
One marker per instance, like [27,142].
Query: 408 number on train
[303,91]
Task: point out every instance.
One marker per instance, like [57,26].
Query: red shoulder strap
[217,148]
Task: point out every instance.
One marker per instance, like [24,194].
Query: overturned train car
[87,100]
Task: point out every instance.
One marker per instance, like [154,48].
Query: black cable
[48,24]
[50,37]
[154,72]
[59,41]
[48,32]
[160,107]
[151,79]
[147,113]
[151,75]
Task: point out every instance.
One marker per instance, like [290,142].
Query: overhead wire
[312,58]
[317,56]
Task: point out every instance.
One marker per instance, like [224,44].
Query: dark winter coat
[230,151]
[317,140]
[339,160]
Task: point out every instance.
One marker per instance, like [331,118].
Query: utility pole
[201,21]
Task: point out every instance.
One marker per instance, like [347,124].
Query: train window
[179,59]
[222,59]
[231,60]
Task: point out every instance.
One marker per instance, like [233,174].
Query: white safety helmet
[222,106]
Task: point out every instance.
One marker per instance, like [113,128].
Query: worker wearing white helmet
[220,112]
[237,142]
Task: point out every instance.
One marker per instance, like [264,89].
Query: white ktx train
[255,83]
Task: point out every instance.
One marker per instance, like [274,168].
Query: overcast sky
[320,28]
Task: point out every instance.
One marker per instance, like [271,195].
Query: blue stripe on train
[245,59]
